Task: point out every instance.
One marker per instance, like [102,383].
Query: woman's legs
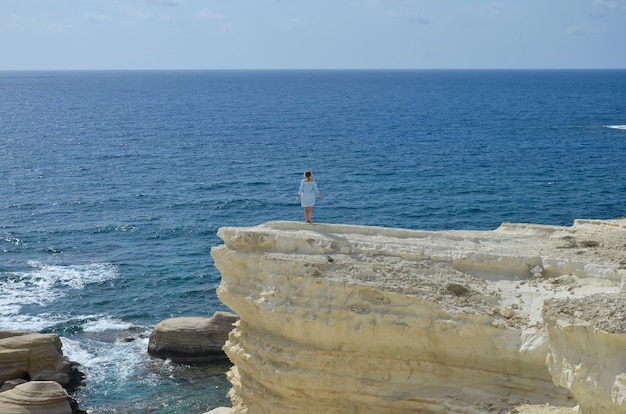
[308,212]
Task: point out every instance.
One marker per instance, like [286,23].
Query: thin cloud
[143,14]
[293,25]
[410,17]
[133,14]
[95,17]
[610,4]
[206,14]
[14,22]
[168,3]
[380,3]
[60,27]
[582,29]
[400,15]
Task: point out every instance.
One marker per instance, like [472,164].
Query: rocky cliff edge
[353,319]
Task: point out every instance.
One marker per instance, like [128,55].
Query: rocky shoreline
[524,319]
[35,377]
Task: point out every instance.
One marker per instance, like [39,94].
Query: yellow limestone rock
[14,359]
[37,355]
[189,340]
[354,319]
[35,397]
[587,350]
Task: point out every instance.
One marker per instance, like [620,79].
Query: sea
[113,185]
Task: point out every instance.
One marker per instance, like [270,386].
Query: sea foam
[42,285]
[106,324]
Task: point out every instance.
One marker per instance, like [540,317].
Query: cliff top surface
[506,273]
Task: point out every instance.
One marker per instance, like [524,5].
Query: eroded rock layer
[350,319]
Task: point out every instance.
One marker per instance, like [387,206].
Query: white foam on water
[617,127]
[9,238]
[106,324]
[109,365]
[73,276]
[43,285]
[15,321]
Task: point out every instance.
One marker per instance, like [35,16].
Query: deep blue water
[113,185]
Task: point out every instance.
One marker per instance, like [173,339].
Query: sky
[312,34]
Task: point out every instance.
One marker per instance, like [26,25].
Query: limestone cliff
[353,319]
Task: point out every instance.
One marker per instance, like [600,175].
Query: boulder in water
[189,340]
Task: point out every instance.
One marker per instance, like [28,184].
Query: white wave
[77,351]
[9,238]
[40,321]
[74,276]
[44,285]
[617,126]
[106,324]
[14,321]
[109,365]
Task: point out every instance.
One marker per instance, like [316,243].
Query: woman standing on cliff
[307,194]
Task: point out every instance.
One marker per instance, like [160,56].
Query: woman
[307,194]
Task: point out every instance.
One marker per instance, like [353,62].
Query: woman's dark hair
[308,173]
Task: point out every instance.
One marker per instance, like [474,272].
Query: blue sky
[311,34]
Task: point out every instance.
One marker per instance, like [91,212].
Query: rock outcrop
[347,319]
[192,340]
[36,357]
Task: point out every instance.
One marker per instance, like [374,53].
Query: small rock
[10,384]
[589,243]
[220,410]
[457,290]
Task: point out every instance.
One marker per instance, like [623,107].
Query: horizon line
[301,69]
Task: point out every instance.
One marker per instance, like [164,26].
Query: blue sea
[113,186]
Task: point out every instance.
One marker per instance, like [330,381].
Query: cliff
[354,319]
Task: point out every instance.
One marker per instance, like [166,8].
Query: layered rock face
[34,375]
[350,319]
[35,397]
[35,356]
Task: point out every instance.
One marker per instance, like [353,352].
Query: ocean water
[113,185]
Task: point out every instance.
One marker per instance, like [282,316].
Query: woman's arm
[299,191]
[317,191]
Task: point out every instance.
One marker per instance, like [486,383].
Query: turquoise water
[113,186]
